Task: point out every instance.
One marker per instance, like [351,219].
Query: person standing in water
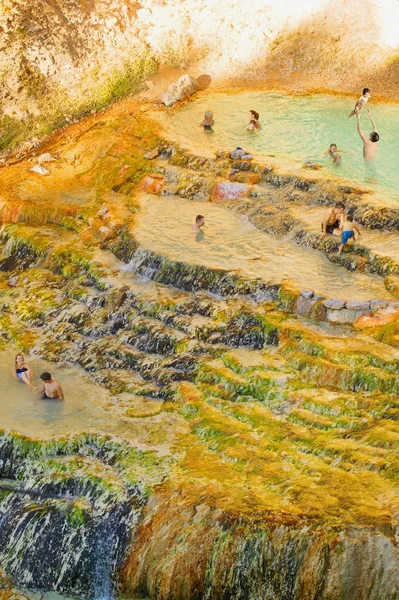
[254,124]
[333,218]
[370,144]
[22,371]
[199,222]
[208,121]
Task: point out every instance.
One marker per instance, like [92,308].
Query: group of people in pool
[209,121]
[51,388]
[335,221]
[370,144]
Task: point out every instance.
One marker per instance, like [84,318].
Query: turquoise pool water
[299,128]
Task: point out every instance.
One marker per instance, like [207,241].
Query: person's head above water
[209,114]
[45,376]
[199,220]
[366,92]
[254,115]
[333,148]
[374,137]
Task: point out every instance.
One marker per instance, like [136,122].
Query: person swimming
[370,144]
[22,371]
[208,121]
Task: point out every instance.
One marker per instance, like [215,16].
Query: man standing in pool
[333,218]
[370,144]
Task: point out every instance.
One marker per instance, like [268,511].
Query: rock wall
[61,58]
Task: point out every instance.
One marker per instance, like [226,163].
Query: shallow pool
[298,128]
[230,241]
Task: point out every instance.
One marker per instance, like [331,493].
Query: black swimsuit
[330,228]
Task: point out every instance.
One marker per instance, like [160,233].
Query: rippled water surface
[297,127]
[231,242]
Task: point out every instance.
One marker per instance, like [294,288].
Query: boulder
[334,304]
[228,190]
[40,170]
[152,184]
[356,305]
[45,158]
[184,87]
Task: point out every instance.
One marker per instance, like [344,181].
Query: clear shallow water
[231,242]
[24,411]
[299,128]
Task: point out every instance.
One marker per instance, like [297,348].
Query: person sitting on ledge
[51,388]
[349,231]
[332,222]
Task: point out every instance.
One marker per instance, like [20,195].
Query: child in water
[349,230]
[22,371]
[208,121]
[51,388]
[364,98]
[254,124]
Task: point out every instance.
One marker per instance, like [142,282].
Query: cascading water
[72,539]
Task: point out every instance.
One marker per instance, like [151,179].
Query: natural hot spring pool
[231,242]
[297,128]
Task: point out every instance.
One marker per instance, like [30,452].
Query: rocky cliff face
[63,58]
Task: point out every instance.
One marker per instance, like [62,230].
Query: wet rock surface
[270,431]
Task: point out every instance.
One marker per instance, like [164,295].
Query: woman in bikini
[22,371]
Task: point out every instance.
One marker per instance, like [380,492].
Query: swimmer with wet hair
[349,231]
[332,150]
[199,222]
[22,371]
[51,389]
[254,124]
[208,121]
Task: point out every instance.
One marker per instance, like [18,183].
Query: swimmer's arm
[359,129]
[372,121]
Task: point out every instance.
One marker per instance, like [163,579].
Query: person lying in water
[22,371]
[199,222]
[333,218]
[51,389]
[349,231]
[370,144]
[208,121]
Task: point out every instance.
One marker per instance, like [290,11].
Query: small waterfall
[74,545]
